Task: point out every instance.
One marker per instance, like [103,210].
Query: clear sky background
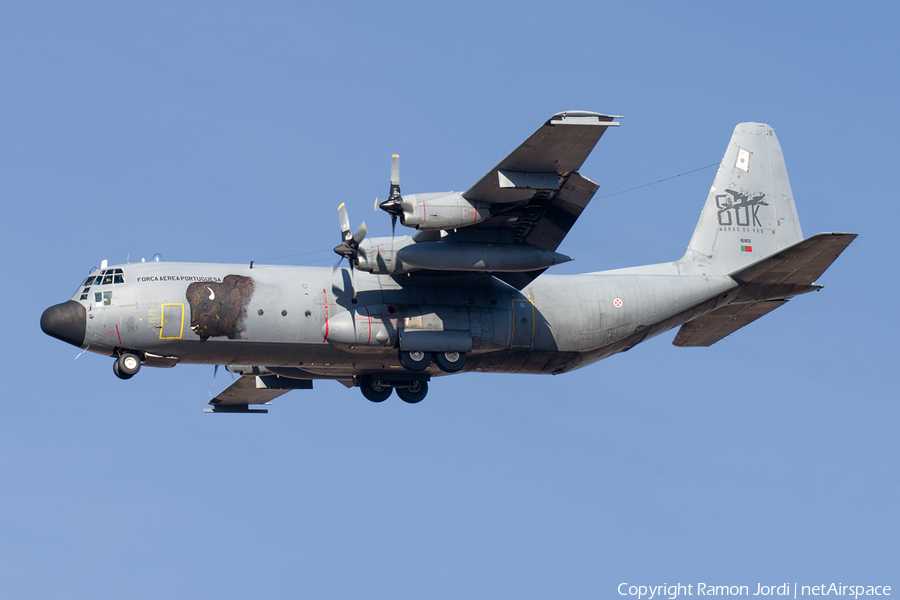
[230,132]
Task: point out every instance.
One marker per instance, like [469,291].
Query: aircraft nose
[66,322]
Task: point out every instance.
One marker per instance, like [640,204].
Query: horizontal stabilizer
[709,329]
[766,285]
[800,264]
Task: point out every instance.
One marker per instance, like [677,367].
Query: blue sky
[230,132]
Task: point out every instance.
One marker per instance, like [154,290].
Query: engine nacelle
[364,329]
[379,255]
[448,210]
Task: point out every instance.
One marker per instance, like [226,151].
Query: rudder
[749,213]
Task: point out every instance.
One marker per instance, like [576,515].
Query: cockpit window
[109,276]
[103,277]
[103,298]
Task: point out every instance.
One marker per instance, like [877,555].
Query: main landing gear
[127,365]
[411,386]
[378,387]
[417,360]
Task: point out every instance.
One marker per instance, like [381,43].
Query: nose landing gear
[127,365]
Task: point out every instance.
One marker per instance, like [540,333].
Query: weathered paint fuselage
[556,324]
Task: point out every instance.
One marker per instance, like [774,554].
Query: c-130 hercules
[466,291]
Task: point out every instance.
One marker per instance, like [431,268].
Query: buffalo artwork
[218,309]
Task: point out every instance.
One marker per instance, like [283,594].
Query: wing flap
[555,222]
[709,329]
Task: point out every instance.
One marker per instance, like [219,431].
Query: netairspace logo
[649,592]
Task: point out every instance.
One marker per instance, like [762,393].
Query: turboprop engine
[448,210]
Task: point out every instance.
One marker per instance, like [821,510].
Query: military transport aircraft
[465,292]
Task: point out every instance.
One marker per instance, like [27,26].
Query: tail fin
[750,211]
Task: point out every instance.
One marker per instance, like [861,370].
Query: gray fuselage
[289,316]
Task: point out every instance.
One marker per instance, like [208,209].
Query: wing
[255,389]
[554,151]
[536,193]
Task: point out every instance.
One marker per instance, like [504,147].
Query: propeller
[216,372]
[394,204]
[349,247]
[213,382]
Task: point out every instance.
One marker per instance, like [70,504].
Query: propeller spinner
[393,205]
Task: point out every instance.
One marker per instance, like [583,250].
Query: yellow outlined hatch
[172,322]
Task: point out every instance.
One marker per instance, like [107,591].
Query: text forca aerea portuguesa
[790,590]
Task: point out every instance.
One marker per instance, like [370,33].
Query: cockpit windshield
[99,278]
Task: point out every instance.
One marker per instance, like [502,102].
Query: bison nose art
[66,322]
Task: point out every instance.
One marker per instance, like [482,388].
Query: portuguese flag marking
[746,248]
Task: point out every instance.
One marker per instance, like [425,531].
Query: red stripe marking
[117,333]
[325,339]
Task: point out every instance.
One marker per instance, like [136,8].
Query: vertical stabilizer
[750,211]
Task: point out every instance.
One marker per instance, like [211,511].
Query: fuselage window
[107,298]
[89,280]
[118,279]
[107,279]
[98,298]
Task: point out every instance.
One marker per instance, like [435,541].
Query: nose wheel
[127,365]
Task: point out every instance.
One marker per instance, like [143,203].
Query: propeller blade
[335,266]
[345,222]
[360,234]
[376,204]
[353,281]
[395,176]
[213,382]
[393,226]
